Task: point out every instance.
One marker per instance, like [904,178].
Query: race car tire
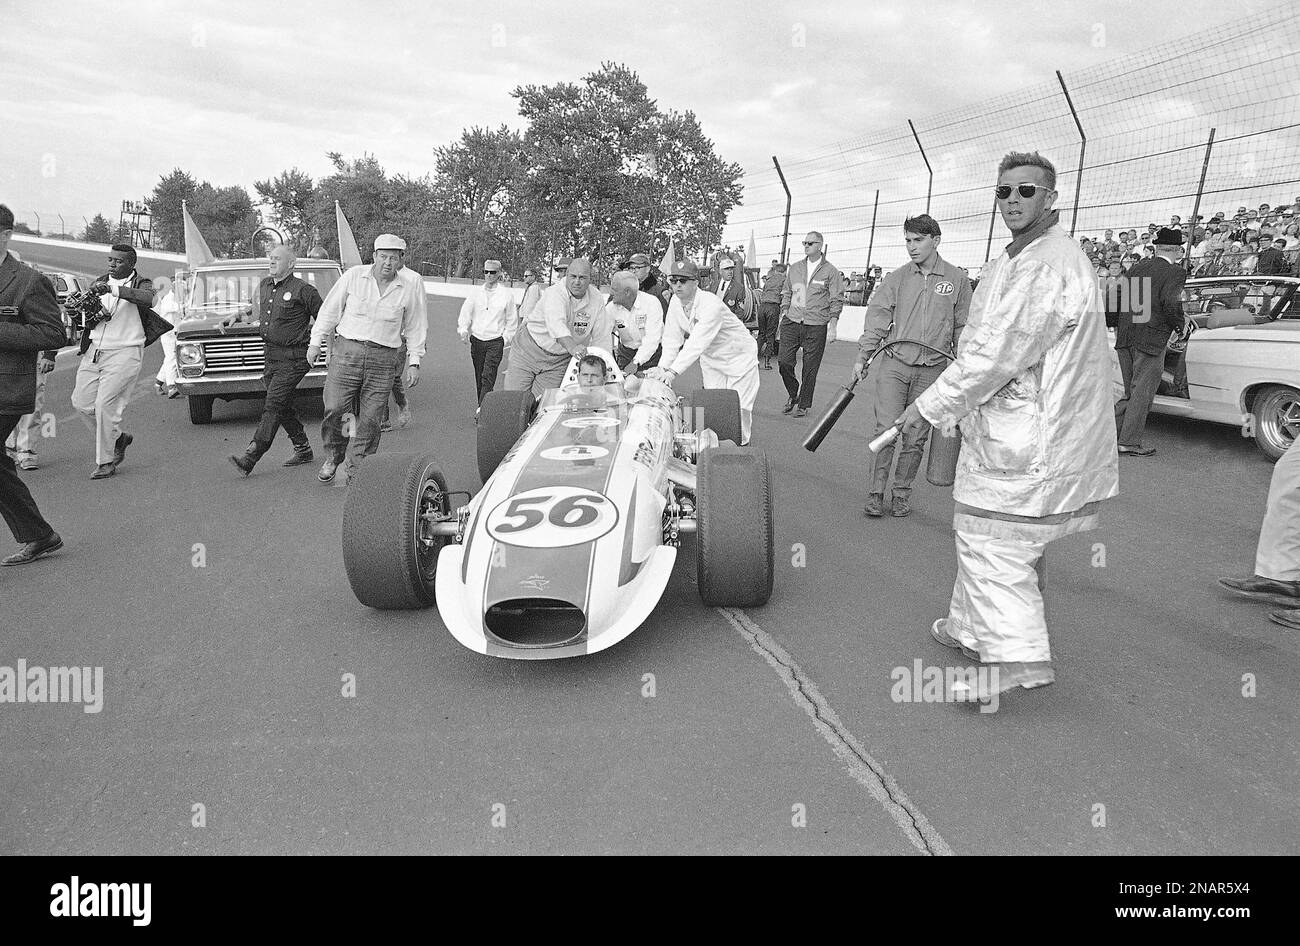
[733,537]
[718,409]
[502,419]
[388,566]
[1275,412]
[201,408]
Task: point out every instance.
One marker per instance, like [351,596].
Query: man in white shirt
[532,293]
[639,319]
[374,310]
[166,305]
[699,327]
[570,317]
[111,354]
[487,325]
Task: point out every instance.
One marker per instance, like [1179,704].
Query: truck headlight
[190,354]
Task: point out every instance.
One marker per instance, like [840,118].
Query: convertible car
[1243,358]
[570,543]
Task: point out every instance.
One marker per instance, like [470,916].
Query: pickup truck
[213,364]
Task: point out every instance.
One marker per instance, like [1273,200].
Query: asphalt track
[223,683]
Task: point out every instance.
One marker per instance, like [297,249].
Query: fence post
[871,241]
[1083,148]
[785,233]
[1196,207]
[929,187]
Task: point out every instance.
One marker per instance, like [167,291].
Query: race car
[572,540]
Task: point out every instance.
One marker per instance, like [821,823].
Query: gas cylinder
[941,466]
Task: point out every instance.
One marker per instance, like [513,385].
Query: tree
[361,187]
[474,188]
[291,195]
[98,230]
[168,225]
[226,218]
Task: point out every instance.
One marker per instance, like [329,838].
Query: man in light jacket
[1031,389]
[811,299]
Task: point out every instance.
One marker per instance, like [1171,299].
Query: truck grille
[240,354]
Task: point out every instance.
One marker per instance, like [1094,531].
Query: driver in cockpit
[592,374]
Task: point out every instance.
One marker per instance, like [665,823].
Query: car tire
[388,565]
[201,408]
[1269,411]
[718,409]
[733,531]
[502,419]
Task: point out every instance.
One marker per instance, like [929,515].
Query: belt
[370,344]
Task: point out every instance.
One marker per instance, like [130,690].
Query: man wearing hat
[487,324]
[570,316]
[560,268]
[367,317]
[699,327]
[650,279]
[1153,313]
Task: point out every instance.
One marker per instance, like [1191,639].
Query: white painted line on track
[865,770]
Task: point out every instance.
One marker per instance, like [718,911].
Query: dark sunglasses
[490,272]
[677,280]
[1027,190]
[811,242]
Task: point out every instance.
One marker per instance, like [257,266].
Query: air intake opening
[536,622]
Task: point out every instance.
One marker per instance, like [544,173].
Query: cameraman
[111,354]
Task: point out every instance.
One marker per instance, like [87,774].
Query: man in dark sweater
[1153,311]
[286,307]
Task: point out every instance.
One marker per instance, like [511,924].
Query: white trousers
[23,438]
[167,373]
[1278,554]
[103,391]
[746,385]
[997,606]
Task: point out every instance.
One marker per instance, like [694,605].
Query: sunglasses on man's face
[678,280]
[812,242]
[1026,190]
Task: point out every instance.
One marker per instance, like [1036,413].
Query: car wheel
[503,417]
[715,408]
[201,408]
[733,534]
[1276,413]
[389,554]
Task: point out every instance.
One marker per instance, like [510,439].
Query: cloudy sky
[99,100]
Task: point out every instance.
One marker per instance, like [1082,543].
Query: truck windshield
[223,289]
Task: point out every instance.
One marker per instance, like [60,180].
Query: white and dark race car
[570,543]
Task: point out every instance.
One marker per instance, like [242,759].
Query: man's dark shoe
[875,507]
[123,441]
[1286,593]
[1136,451]
[902,506]
[34,550]
[801,412]
[244,464]
[327,470]
[104,471]
[301,455]
[789,406]
[1289,618]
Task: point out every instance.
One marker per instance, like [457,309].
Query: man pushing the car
[570,316]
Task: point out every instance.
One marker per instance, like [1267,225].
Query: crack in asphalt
[865,770]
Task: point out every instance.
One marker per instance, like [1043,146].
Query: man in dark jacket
[650,279]
[285,307]
[29,323]
[1272,261]
[769,313]
[1153,312]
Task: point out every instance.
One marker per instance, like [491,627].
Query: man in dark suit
[29,323]
[111,354]
[1152,312]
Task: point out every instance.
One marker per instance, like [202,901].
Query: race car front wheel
[389,552]
[502,419]
[733,535]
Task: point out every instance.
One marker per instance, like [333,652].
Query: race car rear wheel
[718,409]
[502,419]
[1276,412]
[733,536]
[389,553]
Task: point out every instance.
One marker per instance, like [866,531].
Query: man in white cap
[570,317]
[367,317]
[487,324]
[700,327]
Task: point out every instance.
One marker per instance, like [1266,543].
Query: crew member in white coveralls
[700,326]
[1031,389]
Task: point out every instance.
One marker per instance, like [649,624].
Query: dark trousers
[487,359]
[769,318]
[812,339]
[360,378]
[285,367]
[623,356]
[1141,379]
[16,503]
